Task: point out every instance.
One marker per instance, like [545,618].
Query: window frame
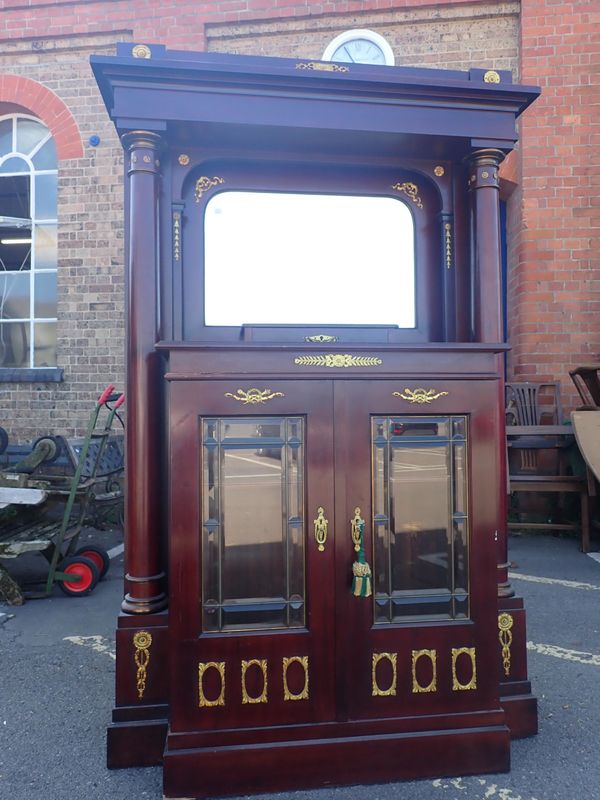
[31,371]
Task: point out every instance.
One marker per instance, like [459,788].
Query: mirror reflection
[308,259]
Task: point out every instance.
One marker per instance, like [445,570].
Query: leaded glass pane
[29,134]
[14,164]
[6,135]
[14,295]
[45,295]
[419,516]
[15,250]
[44,351]
[14,344]
[45,196]
[45,158]
[253,523]
[45,249]
[15,207]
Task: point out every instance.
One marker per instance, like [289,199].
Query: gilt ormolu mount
[314,348]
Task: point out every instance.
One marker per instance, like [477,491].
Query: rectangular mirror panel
[308,259]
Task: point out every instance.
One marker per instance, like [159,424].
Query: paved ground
[56,694]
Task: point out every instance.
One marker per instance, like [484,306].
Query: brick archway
[49,108]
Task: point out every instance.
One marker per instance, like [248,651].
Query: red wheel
[85,576]
[96,554]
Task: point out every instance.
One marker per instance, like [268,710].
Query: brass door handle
[321,528]
[358,526]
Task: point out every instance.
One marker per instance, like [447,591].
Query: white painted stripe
[479,788]
[275,478]
[595,556]
[254,461]
[566,655]
[116,551]
[517,576]
[97,643]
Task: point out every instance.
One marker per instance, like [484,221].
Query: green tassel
[361,571]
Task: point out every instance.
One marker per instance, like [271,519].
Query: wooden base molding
[211,771]
[136,744]
[137,734]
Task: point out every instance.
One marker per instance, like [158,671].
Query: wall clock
[359,47]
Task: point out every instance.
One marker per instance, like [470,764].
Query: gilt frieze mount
[338,361]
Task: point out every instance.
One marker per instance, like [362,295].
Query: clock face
[359,51]
[359,46]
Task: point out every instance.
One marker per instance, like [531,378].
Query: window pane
[15,249]
[45,158]
[44,354]
[14,344]
[45,196]
[6,127]
[45,295]
[14,296]
[29,133]
[15,164]
[45,247]
[253,529]
[14,201]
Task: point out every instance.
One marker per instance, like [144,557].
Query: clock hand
[349,55]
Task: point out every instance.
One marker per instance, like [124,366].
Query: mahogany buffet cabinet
[316,555]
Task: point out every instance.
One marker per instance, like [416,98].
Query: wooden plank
[22,496]
[14,549]
[587,433]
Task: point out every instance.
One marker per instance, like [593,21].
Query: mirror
[308,259]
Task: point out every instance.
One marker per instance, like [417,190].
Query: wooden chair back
[529,403]
[587,382]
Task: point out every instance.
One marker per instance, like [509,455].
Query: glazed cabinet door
[251,553]
[416,510]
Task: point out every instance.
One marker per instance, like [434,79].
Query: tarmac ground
[57,691]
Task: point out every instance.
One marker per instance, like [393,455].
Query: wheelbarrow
[46,512]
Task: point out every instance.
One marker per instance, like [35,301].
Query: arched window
[28,252]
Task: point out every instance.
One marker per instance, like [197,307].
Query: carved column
[486,276]
[486,306]
[144,578]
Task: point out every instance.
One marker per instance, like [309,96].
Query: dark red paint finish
[278,124]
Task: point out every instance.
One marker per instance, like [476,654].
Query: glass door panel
[253,523]
[419,517]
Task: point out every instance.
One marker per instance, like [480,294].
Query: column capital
[483,168]
[143,149]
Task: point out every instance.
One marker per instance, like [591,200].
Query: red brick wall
[554,283]
[175,23]
[554,286]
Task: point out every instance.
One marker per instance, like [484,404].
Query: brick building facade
[550,184]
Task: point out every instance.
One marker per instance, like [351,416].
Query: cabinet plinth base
[378,758]
[519,705]
[135,744]
[521,715]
